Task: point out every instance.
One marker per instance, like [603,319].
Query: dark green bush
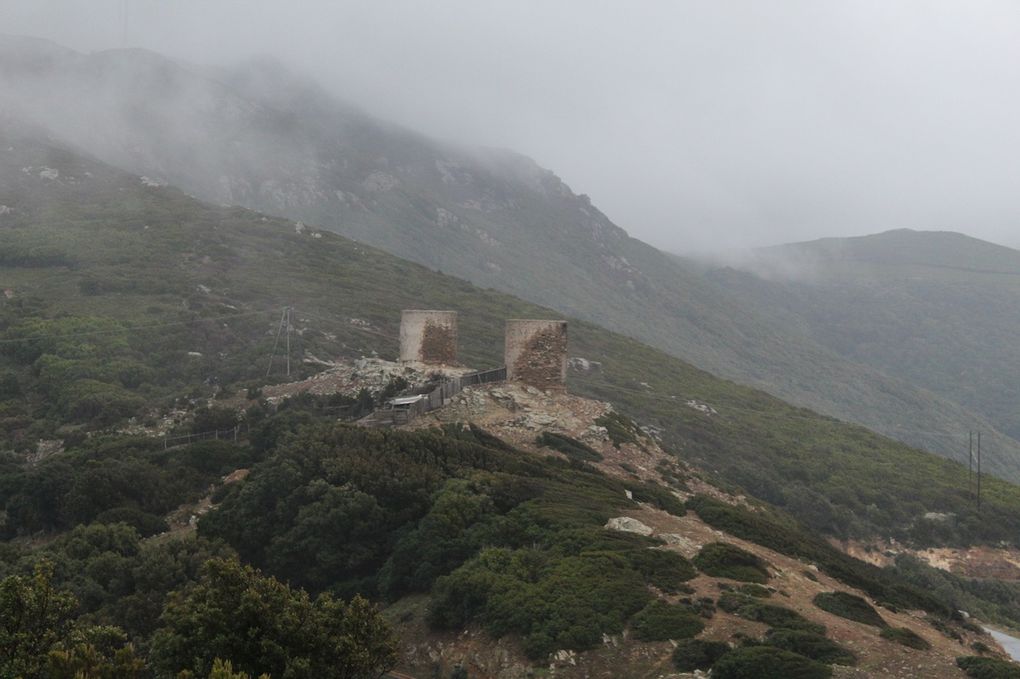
[570,447]
[553,603]
[145,523]
[849,606]
[723,560]
[753,609]
[988,668]
[755,590]
[663,569]
[657,496]
[660,621]
[621,429]
[697,654]
[906,637]
[810,645]
[767,662]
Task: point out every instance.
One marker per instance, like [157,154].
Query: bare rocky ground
[999,563]
[373,374]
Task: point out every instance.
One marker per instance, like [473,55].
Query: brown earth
[993,563]
[541,363]
[438,344]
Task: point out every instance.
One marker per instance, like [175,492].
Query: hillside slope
[260,137]
[939,309]
[121,296]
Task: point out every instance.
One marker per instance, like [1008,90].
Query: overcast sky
[693,124]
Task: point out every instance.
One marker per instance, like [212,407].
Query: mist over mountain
[939,309]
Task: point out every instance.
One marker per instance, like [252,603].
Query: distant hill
[121,297]
[261,137]
[939,309]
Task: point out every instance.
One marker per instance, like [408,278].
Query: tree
[265,627]
[38,637]
[34,616]
[95,653]
[222,669]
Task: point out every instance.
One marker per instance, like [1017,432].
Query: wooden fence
[214,435]
[434,399]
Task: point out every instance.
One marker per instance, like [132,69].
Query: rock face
[536,353]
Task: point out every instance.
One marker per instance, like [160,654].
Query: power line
[979,471]
[276,341]
[336,321]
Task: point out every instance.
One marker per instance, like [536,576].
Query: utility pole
[288,341]
[276,341]
[979,471]
[970,463]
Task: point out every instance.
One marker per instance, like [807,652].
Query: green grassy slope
[260,137]
[106,271]
[939,309]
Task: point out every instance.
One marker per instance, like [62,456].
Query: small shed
[404,408]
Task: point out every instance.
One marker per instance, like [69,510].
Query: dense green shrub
[660,621]
[906,637]
[849,606]
[723,560]
[98,402]
[552,602]
[570,447]
[810,645]
[657,496]
[145,523]
[767,662]
[774,616]
[621,429]
[118,578]
[755,590]
[264,626]
[662,568]
[697,654]
[988,668]
[213,418]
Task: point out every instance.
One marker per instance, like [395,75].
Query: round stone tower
[428,336]
[536,353]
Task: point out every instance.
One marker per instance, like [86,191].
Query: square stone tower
[428,336]
[536,353]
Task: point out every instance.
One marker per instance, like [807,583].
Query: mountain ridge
[494,218]
[934,308]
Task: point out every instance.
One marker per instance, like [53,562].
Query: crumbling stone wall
[536,353]
[428,336]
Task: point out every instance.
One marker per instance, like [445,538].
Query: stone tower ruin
[428,336]
[536,353]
